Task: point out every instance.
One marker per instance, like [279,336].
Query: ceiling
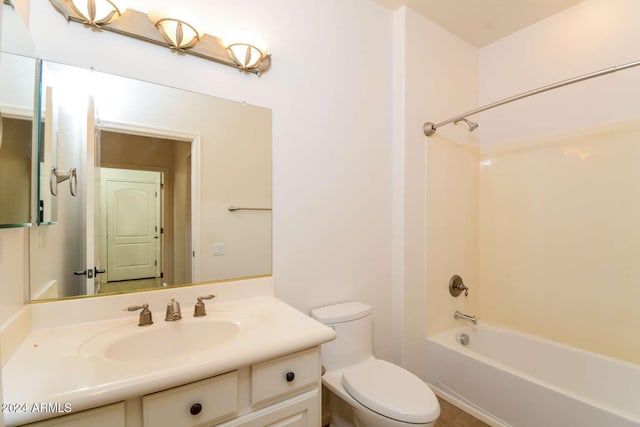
[481,22]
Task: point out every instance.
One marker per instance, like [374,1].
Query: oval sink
[172,340]
[162,340]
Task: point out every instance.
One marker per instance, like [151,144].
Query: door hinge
[156,263]
[161,230]
[162,275]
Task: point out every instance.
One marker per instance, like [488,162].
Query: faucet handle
[456,286]
[199,309]
[145,314]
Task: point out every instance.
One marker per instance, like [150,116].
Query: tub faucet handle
[456,286]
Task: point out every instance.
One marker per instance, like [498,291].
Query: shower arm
[430,127]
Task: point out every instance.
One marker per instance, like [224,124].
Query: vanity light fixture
[176,34]
[96,12]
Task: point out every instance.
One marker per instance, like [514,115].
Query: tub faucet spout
[470,319]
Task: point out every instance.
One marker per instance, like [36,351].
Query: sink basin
[172,340]
[162,340]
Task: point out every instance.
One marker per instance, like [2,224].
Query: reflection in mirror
[17,88]
[157,169]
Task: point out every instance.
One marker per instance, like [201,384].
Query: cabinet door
[107,416]
[301,411]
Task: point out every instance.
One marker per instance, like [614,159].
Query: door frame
[179,135]
[135,176]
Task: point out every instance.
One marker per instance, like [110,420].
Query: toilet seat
[391,391]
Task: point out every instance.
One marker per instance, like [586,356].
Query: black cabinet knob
[290,376]
[195,409]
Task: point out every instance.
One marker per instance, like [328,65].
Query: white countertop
[54,365]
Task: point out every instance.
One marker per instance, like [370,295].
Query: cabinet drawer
[300,411]
[279,377]
[106,416]
[195,404]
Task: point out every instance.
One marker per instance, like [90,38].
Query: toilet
[365,391]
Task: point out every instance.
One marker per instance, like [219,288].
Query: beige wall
[558,203]
[15,171]
[452,230]
[559,239]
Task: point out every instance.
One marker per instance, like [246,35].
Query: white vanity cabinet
[106,416]
[283,392]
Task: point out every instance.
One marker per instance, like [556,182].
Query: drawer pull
[196,408]
[290,376]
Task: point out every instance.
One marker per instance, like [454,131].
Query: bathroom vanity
[251,361]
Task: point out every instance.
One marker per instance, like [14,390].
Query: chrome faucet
[199,309]
[470,319]
[145,314]
[173,311]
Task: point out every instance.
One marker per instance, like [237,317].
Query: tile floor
[451,416]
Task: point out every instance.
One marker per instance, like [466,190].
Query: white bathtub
[508,378]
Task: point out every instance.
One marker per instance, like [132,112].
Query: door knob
[99,271]
[88,273]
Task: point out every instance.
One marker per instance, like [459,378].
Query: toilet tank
[353,343]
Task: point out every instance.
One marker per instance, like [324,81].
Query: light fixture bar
[136,24]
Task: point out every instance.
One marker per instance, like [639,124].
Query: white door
[133,223]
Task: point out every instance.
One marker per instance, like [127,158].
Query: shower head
[472,125]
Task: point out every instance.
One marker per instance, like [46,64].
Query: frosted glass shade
[97,12]
[179,34]
[245,55]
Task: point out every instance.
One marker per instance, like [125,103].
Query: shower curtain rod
[430,127]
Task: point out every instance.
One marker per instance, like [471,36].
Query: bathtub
[508,378]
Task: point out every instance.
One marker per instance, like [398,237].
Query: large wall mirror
[17,86]
[142,186]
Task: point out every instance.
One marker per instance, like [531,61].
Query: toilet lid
[391,391]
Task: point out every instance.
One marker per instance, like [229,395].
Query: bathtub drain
[463,338]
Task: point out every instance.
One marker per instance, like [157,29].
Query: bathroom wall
[330,93]
[452,230]
[13,244]
[559,238]
[558,182]
[16,102]
[437,78]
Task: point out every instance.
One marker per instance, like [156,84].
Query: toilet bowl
[368,392]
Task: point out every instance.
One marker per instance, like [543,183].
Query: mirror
[17,87]
[142,186]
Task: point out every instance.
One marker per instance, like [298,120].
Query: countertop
[62,365]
